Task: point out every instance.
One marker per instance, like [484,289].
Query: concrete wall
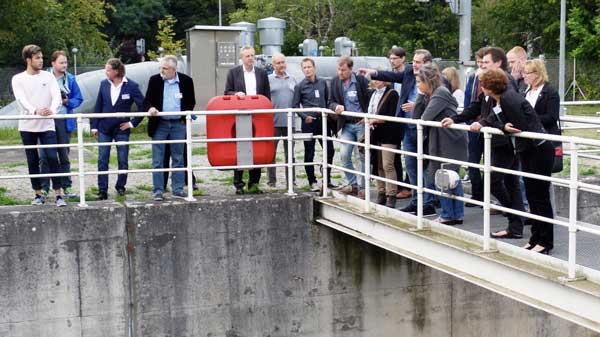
[588,204]
[233,267]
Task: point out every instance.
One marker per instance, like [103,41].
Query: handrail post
[81,162]
[367,164]
[290,153]
[324,147]
[419,176]
[487,177]
[574,176]
[189,171]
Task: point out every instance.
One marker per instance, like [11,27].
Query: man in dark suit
[168,91]
[117,93]
[350,92]
[244,80]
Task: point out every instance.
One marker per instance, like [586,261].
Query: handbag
[558,158]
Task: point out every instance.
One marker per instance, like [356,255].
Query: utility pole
[561,61]
[464,44]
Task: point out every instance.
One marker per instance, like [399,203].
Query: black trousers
[238,178]
[309,149]
[505,187]
[539,160]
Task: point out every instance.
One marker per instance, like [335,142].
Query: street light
[74,51]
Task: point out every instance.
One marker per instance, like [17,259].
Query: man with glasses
[168,91]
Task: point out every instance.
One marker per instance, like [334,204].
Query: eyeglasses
[529,73]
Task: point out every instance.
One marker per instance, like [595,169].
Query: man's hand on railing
[339,109]
[309,119]
[153,111]
[94,133]
[446,122]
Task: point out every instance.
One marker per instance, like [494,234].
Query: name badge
[497,110]
[125,96]
[352,93]
[178,95]
[317,94]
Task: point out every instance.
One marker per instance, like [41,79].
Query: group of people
[507,92]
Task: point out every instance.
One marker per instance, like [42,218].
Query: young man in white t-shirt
[37,93]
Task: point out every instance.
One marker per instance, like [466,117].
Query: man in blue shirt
[350,92]
[71,99]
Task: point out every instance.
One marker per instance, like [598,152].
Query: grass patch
[146,188]
[198,192]
[8,201]
[13,165]
[199,151]
[583,110]
[140,166]
[141,153]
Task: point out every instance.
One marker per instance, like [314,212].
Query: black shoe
[437,203]
[332,186]
[429,211]
[471,205]
[239,190]
[412,209]
[121,192]
[102,195]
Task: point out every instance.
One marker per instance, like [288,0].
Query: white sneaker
[60,201]
[314,187]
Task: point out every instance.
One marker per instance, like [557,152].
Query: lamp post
[74,51]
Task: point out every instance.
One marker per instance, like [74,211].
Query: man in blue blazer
[117,93]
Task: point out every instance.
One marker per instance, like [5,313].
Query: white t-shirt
[35,92]
[459,95]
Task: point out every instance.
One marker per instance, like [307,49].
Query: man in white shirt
[37,93]
[244,80]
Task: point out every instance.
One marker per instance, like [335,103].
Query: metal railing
[572,181]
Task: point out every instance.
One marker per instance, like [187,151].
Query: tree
[53,24]
[166,38]
[584,26]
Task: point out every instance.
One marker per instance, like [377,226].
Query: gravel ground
[139,185]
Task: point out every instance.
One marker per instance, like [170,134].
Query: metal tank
[344,46]
[246,37]
[270,32]
[309,47]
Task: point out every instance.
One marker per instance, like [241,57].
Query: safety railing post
[81,162]
[574,176]
[487,175]
[189,171]
[367,163]
[324,146]
[419,176]
[290,153]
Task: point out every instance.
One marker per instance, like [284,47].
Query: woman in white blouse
[451,74]
[542,96]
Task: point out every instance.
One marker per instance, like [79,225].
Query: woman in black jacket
[513,114]
[542,96]
[385,134]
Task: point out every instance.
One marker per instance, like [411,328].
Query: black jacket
[154,97]
[336,96]
[235,82]
[406,77]
[547,108]
[387,132]
[515,110]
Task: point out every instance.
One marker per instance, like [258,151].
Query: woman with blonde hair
[451,74]
[542,96]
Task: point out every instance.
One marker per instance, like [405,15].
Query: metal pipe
[189,171]
[419,176]
[367,164]
[573,212]
[290,153]
[324,147]
[561,62]
[487,164]
[81,162]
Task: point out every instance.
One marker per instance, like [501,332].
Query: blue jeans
[104,156]
[64,165]
[171,129]
[352,132]
[410,145]
[33,158]
[453,209]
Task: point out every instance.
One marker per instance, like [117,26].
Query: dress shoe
[504,234]
[381,198]
[447,222]
[541,249]
[121,192]
[403,194]
[528,246]
[349,190]
[239,190]
[102,195]
[391,201]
